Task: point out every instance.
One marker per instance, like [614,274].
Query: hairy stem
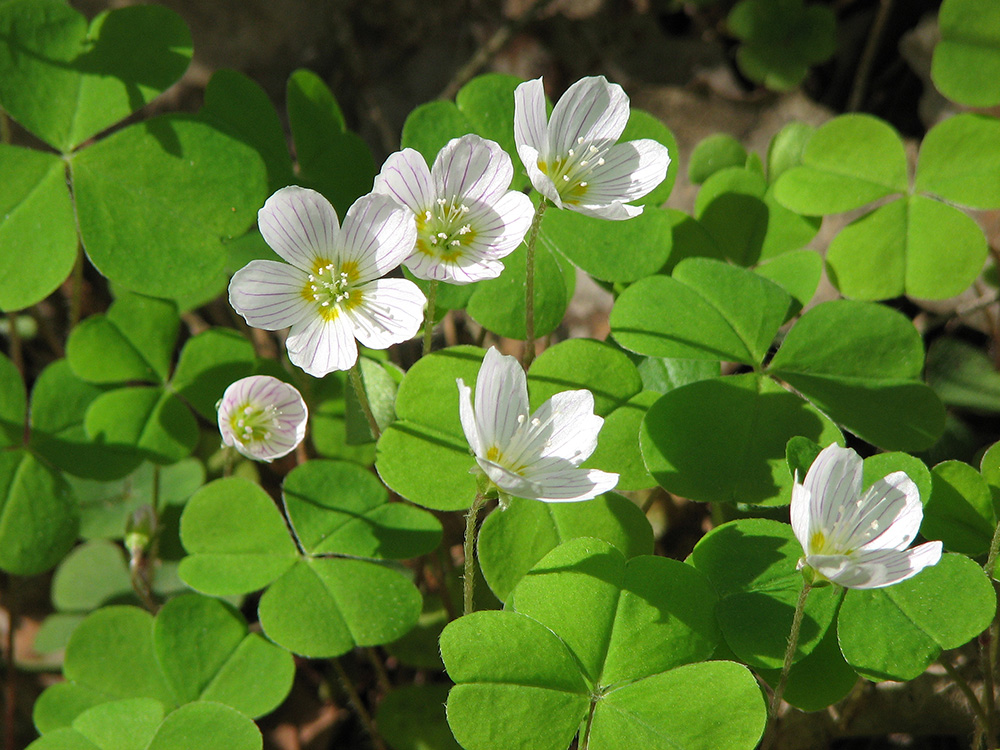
[384,683]
[359,707]
[469,579]
[793,643]
[529,285]
[359,391]
[429,316]
[863,71]
[963,685]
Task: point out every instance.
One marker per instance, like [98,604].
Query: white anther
[565,178]
[442,235]
[593,149]
[521,418]
[583,184]
[580,139]
[453,243]
[572,152]
[428,215]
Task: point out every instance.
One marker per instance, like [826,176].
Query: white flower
[262,417]
[536,455]
[332,292]
[854,540]
[466,217]
[574,160]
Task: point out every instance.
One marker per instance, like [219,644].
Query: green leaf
[752,565]
[65,82]
[706,310]
[584,363]
[514,539]
[798,273]
[488,103]
[723,440]
[340,508]
[133,341]
[959,510]
[59,403]
[660,375]
[818,680]
[158,199]
[412,718]
[429,127]
[786,148]
[13,404]
[963,375]
[39,518]
[713,154]
[896,249]
[635,249]
[860,363]
[37,229]
[152,420]
[380,384]
[960,159]
[966,62]
[332,159]
[211,725]
[781,39]
[328,424]
[847,163]
[324,607]
[91,576]
[427,425]
[498,304]
[209,363]
[618,444]
[894,633]
[235,537]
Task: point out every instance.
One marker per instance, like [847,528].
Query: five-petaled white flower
[531,455]
[262,417]
[466,217]
[332,291]
[854,540]
[574,159]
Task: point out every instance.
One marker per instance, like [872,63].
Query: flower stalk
[366,407]
[429,316]
[793,644]
[529,285]
[469,577]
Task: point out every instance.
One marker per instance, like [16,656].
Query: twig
[863,71]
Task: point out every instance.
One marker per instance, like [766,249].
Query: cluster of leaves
[596,634]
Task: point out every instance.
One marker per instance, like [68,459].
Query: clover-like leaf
[963,375]
[966,62]
[152,420]
[959,510]
[13,404]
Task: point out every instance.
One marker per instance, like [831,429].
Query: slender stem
[994,547]
[860,86]
[529,285]
[14,336]
[384,683]
[793,643]
[585,739]
[469,579]
[11,603]
[359,707]
[987,653]
[76,301]
[429,316]
[5,134]
[359,391]
[963,685]
[442,589]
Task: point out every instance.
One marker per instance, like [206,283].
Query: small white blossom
[574,159]
[531,455]
[854,540]
[262,417]
[466,217]
[331,291]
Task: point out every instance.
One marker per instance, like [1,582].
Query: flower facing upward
[330,291]
[262,417]
[854,540]
[466,217]
[574,159]
[531,455]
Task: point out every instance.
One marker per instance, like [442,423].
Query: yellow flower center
[252,423]
[332,288]
[443,232]
[571,171]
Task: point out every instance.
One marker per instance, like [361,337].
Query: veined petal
[514,212]
[472,265]
[591,109]
[571,427]
[530,122]
[630,171]
[390,311]
[501,399]
[570,484]
[799,512]
[262,417]
[833,483]
[468,417]
[898,499]
[269,294]
[472,169]
[320,346]
[300,225]
[378,235]
[541,181]
[614,211]
[876,568]
[406,178]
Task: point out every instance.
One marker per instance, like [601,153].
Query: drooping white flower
[466,217]
[854,540]
[262,417]
[331,291]
[574,159]
[531,455]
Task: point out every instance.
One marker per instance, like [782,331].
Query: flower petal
[630,171]
[572,426]
[321,346]
[530,123]
[268,294]
[468,417]
[876,568]
[300,225]
[473,169]
[564,483]
[378,235]
[501,399]
[541,181]
[406,178]
[833,484]
[614,211]
[473,265]
[591,110]
[899,515]
[258,392]
[391,311]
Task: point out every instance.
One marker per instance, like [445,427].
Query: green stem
[963,685]
[359,391]
[987,657]
[359,707]
[384,683]
[793,643]
[469,580]
[529,285]
[429,316]
[585,739]
[994,547]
